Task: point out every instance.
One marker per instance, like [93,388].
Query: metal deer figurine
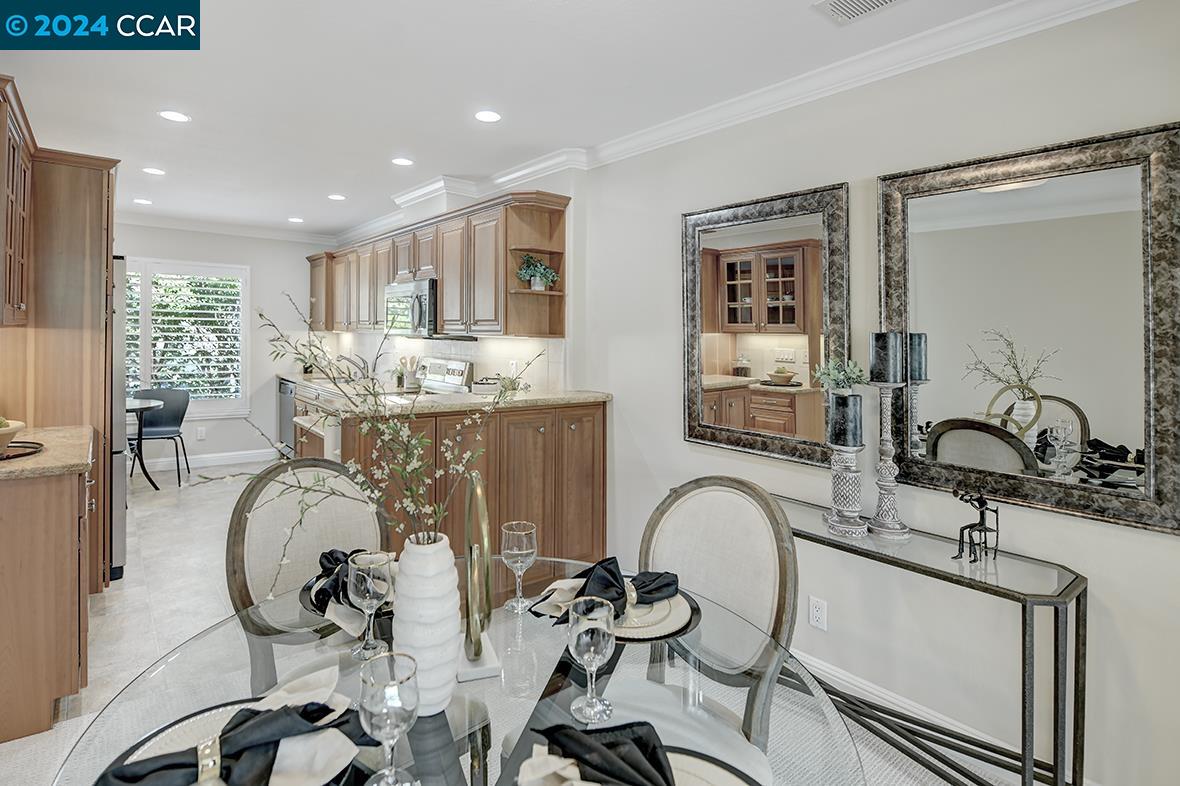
[977,532]
[479,567]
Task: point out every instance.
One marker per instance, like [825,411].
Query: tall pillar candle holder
[845,438]
[915,417]
[917,377]
[887,372]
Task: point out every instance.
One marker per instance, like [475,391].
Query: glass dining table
[699,689]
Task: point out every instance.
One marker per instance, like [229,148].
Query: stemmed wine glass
[1059,434]
[591,642]
[370,580]
[518,547]
[389,707]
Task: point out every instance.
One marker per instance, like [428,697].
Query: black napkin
[1104,451]
[249,744]
[604,579]
[333,568]
[630,755]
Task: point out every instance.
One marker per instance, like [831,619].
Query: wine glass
[518,547]
[370,580]
[1059,434]
[591,642]
[389,707]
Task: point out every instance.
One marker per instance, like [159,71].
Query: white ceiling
[294,99]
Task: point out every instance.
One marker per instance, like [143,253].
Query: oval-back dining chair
[1054,407]
[980,445]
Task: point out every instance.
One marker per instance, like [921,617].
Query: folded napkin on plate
[327,593]
[631,754]
[605,580]
[286,739]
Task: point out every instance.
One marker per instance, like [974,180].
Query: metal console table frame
[1038,583]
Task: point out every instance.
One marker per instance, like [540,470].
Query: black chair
[165,422]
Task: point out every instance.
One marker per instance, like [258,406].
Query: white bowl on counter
[7,434]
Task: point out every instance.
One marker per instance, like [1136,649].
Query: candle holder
[844,517]
[887,521]
[915,420]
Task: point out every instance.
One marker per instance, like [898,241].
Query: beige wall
[947,648]
[1070,284]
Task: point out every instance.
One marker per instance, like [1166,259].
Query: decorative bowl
[781,379]
[6,434]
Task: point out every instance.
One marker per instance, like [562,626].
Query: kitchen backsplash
[719,352]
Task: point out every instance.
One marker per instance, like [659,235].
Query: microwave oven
[410,308]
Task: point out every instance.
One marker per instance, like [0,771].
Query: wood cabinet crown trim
[66,158]
[11,96]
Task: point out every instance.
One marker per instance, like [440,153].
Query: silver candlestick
[915,435]
[844,517]
[887,522]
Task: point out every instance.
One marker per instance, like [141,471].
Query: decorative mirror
[766,300]
[1040,293]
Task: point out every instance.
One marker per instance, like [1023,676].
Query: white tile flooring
[174,587]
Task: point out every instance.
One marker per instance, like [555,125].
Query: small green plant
[840,374]
[781,370]
[534,267]
[3,423]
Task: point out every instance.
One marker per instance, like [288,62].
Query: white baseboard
[168,462]
[858,686]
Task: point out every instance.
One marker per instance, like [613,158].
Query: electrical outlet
[200,433]
[784,355]
[817,612]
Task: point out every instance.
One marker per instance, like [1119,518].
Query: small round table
[140,406]
[697,686]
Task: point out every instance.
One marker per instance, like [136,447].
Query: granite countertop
[438,403]
[67,452]
[723,382]
[759,386]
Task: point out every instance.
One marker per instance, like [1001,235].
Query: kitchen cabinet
[711,408]
[425,247]
[453,277]
[319,305]
[383,276]
[735,407]
[761,289]
[16,226]
[476,437]
[339,283]
[486,272]
[710,308]
[403,258]
[580,521]
[362,280]
[308,444]
[773,413]
[527,490]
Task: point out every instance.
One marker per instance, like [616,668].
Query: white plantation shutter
[131,346]
[189,331]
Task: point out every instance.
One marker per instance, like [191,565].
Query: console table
[1025,581]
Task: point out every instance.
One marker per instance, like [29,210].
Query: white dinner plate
[693,770]
[654,621]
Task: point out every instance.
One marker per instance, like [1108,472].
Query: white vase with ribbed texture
[426,621]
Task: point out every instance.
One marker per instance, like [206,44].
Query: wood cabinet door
[735,407]
[581,483]
[317,306]
[403,258]
[15,225]
[339,291]
[362,282]
[711,293]
[425,250]
[528,463]
[464,438]
[738,282]
[453,282]
[308,444]
[711,408]
[772,422]
[488,270]
[780,290]
[382,277]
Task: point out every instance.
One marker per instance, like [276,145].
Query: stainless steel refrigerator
[118,442]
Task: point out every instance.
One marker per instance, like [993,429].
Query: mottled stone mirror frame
[832,203]
[1156,152]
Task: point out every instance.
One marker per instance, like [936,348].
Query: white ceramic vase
[426,622]
[537,284]
[1023,411]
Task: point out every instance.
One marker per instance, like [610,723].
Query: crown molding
[217,228]
[1012,20]
[378,226]
[439,186]
[559,161]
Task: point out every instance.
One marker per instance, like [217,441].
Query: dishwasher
[287,416]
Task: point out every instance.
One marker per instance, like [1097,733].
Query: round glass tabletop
[724,689]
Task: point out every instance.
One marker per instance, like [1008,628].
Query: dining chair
[270,554]
[980,445]
[165,422]
[1055,407]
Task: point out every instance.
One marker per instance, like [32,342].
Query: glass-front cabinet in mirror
[1039,293]
[765,288]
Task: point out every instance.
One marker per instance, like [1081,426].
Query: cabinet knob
[713,407]
[458,437]
[731,403]
[21,306]
[91,505]
[573,426]
[541,429]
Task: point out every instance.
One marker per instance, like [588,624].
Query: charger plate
[696,769]
[663,619]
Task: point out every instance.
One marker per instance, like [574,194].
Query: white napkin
[547,769]
[560,594]
[351,620]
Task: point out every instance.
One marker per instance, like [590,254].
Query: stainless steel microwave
[410,308]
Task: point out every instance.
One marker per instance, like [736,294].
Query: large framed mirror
[765,301]
[1040,291]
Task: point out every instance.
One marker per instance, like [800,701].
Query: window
[184,330]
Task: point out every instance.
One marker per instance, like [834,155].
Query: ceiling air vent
[846,11]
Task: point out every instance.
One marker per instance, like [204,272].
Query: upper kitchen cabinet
[319,306]
[453,277]
[760,289]
[425,248]
[362,281]
[486,272]
[403,258]
[536,229]
[383,274]
[339,282]
[16,226]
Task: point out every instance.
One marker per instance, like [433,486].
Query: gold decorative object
[479,567]
[1025,393]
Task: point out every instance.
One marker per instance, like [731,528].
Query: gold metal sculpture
[479,567]
[1023,392]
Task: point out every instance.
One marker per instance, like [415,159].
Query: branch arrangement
[1009,364]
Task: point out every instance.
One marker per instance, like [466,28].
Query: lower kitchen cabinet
[581,483]
[308,444]
[473,437]
[735,407]
[710,408]
[528,482]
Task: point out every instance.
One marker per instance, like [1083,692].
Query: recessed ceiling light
[337,197]
[1013,186]
[403,162]
[487,116]
[295,220]
[174,116]
[140,201]
[151,170]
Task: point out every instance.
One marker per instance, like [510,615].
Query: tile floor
[174,587]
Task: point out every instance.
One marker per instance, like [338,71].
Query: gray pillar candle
[918,357]
[887,358]
[844,420]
